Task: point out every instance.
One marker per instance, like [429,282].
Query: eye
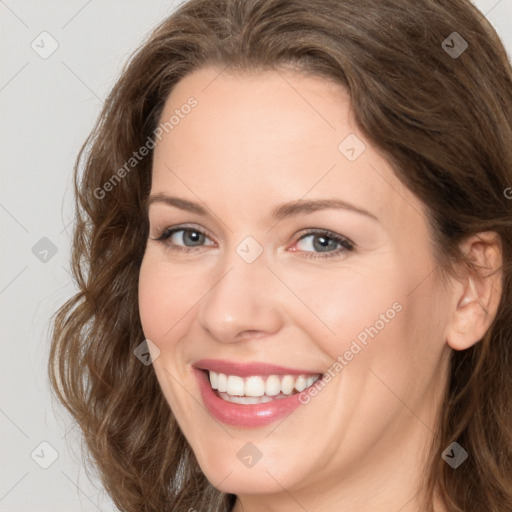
[183,238]
[316,242]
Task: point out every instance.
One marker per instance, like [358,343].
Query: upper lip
[248,369]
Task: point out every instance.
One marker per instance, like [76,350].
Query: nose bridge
[242,298]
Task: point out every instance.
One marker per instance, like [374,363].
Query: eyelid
[327,232]
[181,227]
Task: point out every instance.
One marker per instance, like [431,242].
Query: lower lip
[240,415]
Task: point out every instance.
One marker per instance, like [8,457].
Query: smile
[258,389]
[250,394]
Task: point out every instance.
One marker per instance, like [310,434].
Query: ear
[477,293]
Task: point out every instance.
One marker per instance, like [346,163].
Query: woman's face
[294,251]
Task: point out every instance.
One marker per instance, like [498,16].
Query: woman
[298,212]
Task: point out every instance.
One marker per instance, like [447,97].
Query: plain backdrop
[59,60]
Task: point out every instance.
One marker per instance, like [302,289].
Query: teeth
[222,382]
[246,400]
[273,385]
[287,384]
[235,385]
[214,380]
[256,386]
[310,381]
[301,383]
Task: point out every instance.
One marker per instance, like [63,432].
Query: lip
[248,369]
[240,415]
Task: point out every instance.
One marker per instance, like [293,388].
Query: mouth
[258,389]
[251,394]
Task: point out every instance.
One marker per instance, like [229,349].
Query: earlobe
[479,296]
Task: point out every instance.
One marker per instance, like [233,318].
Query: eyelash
[346,244]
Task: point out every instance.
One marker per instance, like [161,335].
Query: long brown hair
[443,121]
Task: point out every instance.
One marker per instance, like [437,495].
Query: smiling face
[288,244]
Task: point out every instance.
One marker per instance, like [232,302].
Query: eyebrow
[279,213]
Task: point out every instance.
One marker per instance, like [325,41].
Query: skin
[254,141]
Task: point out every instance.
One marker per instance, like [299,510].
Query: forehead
[279,134]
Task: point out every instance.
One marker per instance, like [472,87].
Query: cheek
[151,296]
[378,319]
[348,305]
[161,301]
[163,305]
[167,295]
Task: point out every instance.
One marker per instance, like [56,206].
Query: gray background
[48,108]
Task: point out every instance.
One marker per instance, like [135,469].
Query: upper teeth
[270,385]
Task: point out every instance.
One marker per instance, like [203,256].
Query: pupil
[195,237]
[324,243]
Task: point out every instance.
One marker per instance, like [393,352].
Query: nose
[243,302]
